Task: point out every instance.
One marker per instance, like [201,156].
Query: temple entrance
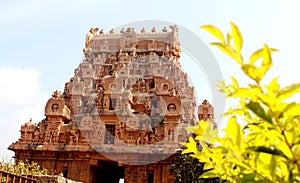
[106,172]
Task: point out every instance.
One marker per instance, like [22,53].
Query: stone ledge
[53,179]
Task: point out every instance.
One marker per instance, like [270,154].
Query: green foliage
[267,147]
[188,170]
[22,168]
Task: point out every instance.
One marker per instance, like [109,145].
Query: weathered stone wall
[159,171]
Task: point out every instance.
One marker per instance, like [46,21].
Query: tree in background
[22,168]
[267,147]
[188,170]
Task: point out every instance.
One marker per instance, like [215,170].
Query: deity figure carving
[152,45]
[106,102]
[73,134]
[101,32]
[98,130]
[50,137]
[54,107]
[36,136]
[92,33]
[130,138]
[120,131]
[130,30]
[112,32]
[164,29]
[153,30]
[73,137]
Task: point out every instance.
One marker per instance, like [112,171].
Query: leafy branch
[267,148]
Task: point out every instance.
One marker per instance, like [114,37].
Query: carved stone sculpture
[127,101]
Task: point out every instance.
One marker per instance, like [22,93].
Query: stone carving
[57,106]
[153,30]
[130,30]
[101,32]
[164,29]
[89,36]
[100,97]
[174,28]
[112,32]
[128,90]
[141,81]
[73,134]
[98,130]
[121,131]
[54,107]
[27,131]
[206,112]
[73,137]
[171,107]
[86,122]
[152,45]
[105,102]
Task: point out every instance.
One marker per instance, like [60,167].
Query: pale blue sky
[41,43]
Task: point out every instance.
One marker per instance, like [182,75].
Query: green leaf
[237,37]
[249,178]
[261,72]
[205,131]
[209,174]
[234,132]
[208,136]
[226,49]
[292,110]
[272,165]
[215,32]
[288,91]
[249,70]
[244,92]
[273,87]
[228,38]
[194,129]
[234,82]
[273,132]
[259,111]
[191,146]
[267,59]
[290,180]
[259,54]
[296,149]
[268,150]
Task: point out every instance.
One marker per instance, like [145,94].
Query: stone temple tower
[121,115]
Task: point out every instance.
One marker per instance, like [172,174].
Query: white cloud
[21,98]
[34,111]
[19,85]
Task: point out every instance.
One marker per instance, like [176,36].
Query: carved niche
[56,107]
[27,131]
[206,111]
[86,126]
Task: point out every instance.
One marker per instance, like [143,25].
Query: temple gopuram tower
[121,115]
